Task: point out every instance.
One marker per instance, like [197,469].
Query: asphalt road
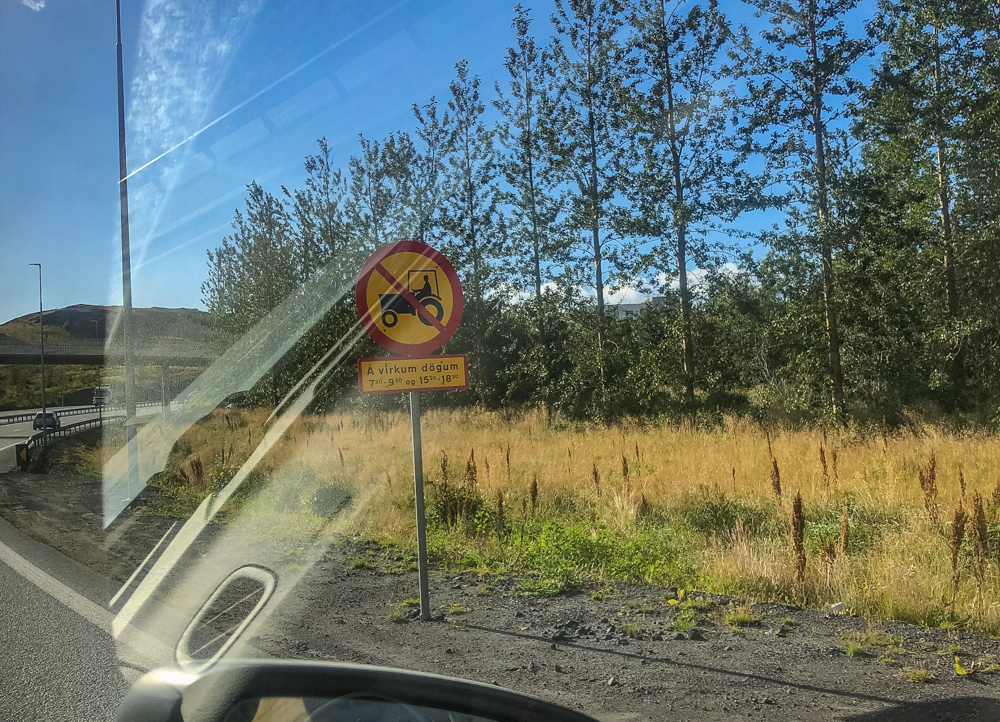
[58,660]
[12,434]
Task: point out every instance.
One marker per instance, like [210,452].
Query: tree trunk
[957,371]
[595,202]
[595,206]
[680,225]
[826,250]
[536,251]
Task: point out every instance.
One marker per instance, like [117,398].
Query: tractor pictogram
[424,287]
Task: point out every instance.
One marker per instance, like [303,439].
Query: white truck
[102,396]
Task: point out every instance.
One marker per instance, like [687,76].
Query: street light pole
[41,327]
[131,444]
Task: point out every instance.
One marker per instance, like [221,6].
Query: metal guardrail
[20,418]
[35,440]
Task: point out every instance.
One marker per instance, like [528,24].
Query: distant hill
[175,324]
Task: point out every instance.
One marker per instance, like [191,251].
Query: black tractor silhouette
[393,304]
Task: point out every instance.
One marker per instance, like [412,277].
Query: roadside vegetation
[895,525]
[20,386]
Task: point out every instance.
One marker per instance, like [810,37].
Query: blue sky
[189,65]
[186,64]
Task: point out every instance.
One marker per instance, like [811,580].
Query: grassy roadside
[632,503]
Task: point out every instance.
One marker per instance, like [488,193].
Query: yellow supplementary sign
[24,453]
[396,375]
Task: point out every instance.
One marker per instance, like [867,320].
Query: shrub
[330,499]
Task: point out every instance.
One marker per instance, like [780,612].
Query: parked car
[51,420]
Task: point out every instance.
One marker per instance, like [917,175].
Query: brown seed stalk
[775,478]
[833,458]
[734,480]
[798,537]
[961,481]
[444,467]
[827,556]
[957,535]
[625,472]
[533,493]
[845,534]
[471,473]
[597,479]
[885,437]
[822,461]
[996,494]
[341,452]
[978,537]
[928,484]
[644,508]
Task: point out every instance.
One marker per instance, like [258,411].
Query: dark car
[51,420]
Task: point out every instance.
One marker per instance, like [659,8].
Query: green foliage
[330,499]
[854,649]
[741,618]
[710,512]
[625,150]
[686,619]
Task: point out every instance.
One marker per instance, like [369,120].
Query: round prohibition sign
[409,298]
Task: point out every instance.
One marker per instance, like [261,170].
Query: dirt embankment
[62,507]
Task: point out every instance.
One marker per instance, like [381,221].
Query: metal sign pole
[418,490]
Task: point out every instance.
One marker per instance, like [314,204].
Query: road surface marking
[94,613]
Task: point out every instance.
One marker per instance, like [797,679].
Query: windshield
[638,355]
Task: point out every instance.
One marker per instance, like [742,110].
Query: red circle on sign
[361,298]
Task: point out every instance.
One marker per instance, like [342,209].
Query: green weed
[685,620]
[919,675]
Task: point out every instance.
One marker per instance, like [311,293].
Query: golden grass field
[644,503]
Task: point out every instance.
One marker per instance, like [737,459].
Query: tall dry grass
[871,533]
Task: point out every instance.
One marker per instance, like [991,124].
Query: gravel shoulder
[615,661]
[616,657]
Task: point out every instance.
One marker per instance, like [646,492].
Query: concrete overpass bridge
[94,352]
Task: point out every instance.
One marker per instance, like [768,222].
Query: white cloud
[696,277]
[35,5]
[184,54]
[627,294]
